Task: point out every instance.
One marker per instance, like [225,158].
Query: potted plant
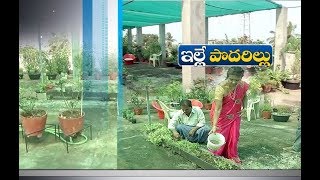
[137,102]
[60,51]
[266,110]
[173,56]
[200,92]
[170,93]
[292,78]
[293,46]
[268,79]
[71,119]
[31,61]
[33,119]
[41,90]
[51,68]
[281,113]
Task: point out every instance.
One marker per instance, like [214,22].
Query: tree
[169,40]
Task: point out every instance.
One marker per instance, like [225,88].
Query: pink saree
[229,121]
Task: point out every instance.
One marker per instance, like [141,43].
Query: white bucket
[215,141]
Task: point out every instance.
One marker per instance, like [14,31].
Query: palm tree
[290,32]
[169,40]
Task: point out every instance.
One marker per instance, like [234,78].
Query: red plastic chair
[157,106]
[129,59]
[196,102]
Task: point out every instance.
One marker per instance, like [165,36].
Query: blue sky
[261,23]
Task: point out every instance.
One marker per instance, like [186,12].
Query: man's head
[235,74]
[186,106]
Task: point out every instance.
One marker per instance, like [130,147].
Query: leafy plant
[266,106]
[129,115]
[282,109]
[72,92]
[60,50]
[160,135]
[137,100]
[199,91]
[172,92]
[27,104]
[31,60]
[173,54]
[41,87]
[254,86]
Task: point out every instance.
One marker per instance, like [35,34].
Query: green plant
[60,50]
[125,71]
[137,100]
[266,106]
[51,66]
[171,92]
[296,69]
[173,54]
[41,87]
[27,104]
[129,115]
[269,76]
[31,60]
[282,109]
[72,93]
[199,91]
[160,135]
[254,86]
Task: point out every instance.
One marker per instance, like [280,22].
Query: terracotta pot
[266,114]
[71,126]
[207,106]
[266,88]
[137,111]
[34,126]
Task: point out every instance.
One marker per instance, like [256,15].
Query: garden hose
[52,131]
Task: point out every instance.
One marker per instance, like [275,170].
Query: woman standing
[226,110]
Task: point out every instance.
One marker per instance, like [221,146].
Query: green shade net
[140,13]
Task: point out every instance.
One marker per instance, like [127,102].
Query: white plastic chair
[250,106]
[168,112]
[155,58]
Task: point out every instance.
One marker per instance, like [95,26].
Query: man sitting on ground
[189,123]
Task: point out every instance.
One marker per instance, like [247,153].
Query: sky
[261,23]
[47,16]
